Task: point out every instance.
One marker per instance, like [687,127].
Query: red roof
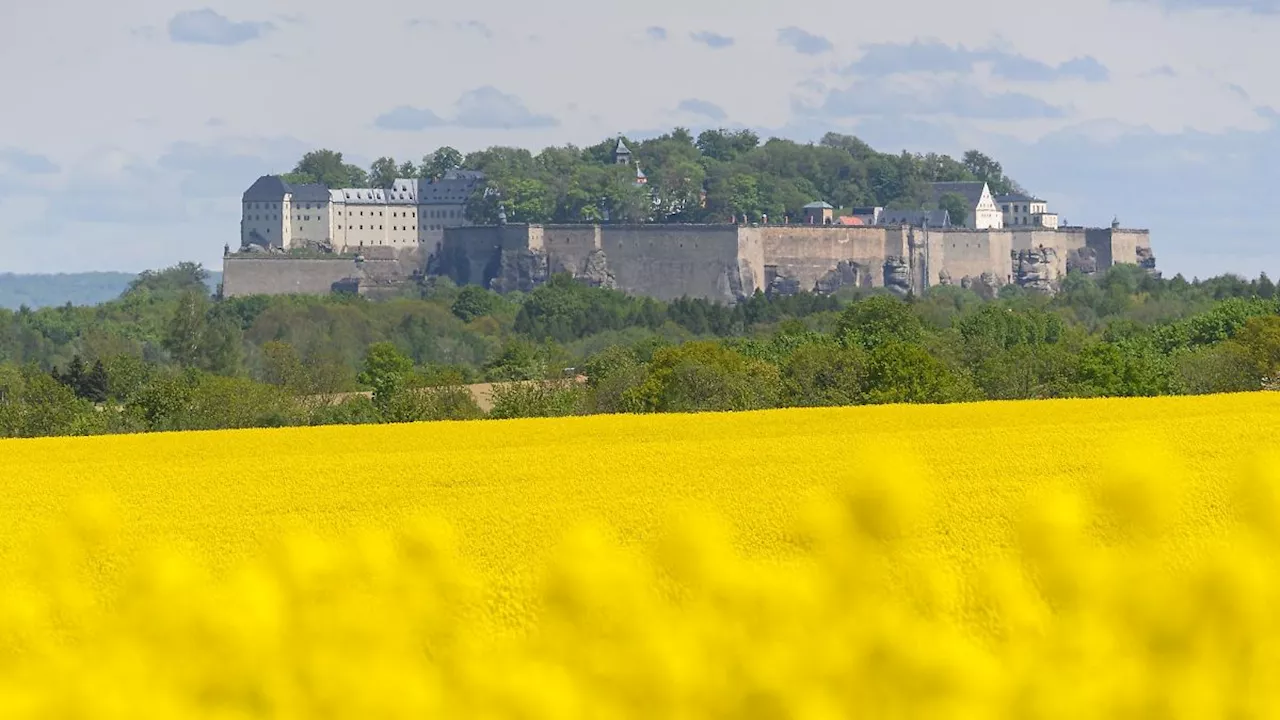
[849,220]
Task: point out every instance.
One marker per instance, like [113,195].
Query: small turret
[621,153]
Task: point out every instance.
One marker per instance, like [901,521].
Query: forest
[718,175]
[167,355]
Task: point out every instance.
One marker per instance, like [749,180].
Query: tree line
[716,176]
[166,355]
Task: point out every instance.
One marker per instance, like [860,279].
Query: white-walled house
[1021,210]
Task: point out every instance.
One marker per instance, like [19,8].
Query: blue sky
[130,129]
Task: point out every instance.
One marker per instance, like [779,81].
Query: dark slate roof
[1017,197]
[916,218]
[268,188]
[452,189]
[970,191]
[819,205]
[865,210]
[272,188]
[314,192]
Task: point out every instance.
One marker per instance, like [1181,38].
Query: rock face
[782,285]
[897,275]
[1036,269]
[596,271]
[521,270]
[844,274]
[1084,260]
[986,284]
[1147,261]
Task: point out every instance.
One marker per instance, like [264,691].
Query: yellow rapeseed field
[1108,558]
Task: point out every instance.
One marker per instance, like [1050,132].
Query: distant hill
[91,288]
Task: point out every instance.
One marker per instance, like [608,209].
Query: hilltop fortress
[313,240]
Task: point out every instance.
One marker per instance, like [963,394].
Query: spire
[621,153]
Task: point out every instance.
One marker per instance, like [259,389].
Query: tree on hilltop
[990,172]
[382,173]
[327,168]
[435,165]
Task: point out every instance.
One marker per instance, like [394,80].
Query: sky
[130,129]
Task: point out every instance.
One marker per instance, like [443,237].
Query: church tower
[621,153]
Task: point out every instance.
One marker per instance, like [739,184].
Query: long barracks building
[411,213]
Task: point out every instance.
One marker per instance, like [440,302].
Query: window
[379,213]
[361,227]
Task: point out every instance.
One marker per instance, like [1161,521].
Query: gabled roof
[970,191]
[916,218]
[313,192]
[819,205]
[268,188]
[273,188]
[849,220]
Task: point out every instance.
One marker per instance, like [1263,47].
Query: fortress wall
[1125,244]
[1063,242]
[970,252]
[808,252]
[669,261]
[1099,240]
[567,246]
[284,276]
[751,262]
[467,253]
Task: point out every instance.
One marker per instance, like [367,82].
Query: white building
[1021,210]
[981,211]
[411,212]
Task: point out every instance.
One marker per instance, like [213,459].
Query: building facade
[981,210]
[413,212]
[1020,210]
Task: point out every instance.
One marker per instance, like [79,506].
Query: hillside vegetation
[714,177]
[166,356]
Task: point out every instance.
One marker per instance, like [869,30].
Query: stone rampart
[285,276]
[824,257]
[976,254]
[716,262]
[671,261]
[261,274]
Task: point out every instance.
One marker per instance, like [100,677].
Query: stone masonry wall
[284,276]
[671,261]
[806,255]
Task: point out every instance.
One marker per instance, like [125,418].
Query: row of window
[263,217]
[453,214]
[1025,208]
[400,228]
